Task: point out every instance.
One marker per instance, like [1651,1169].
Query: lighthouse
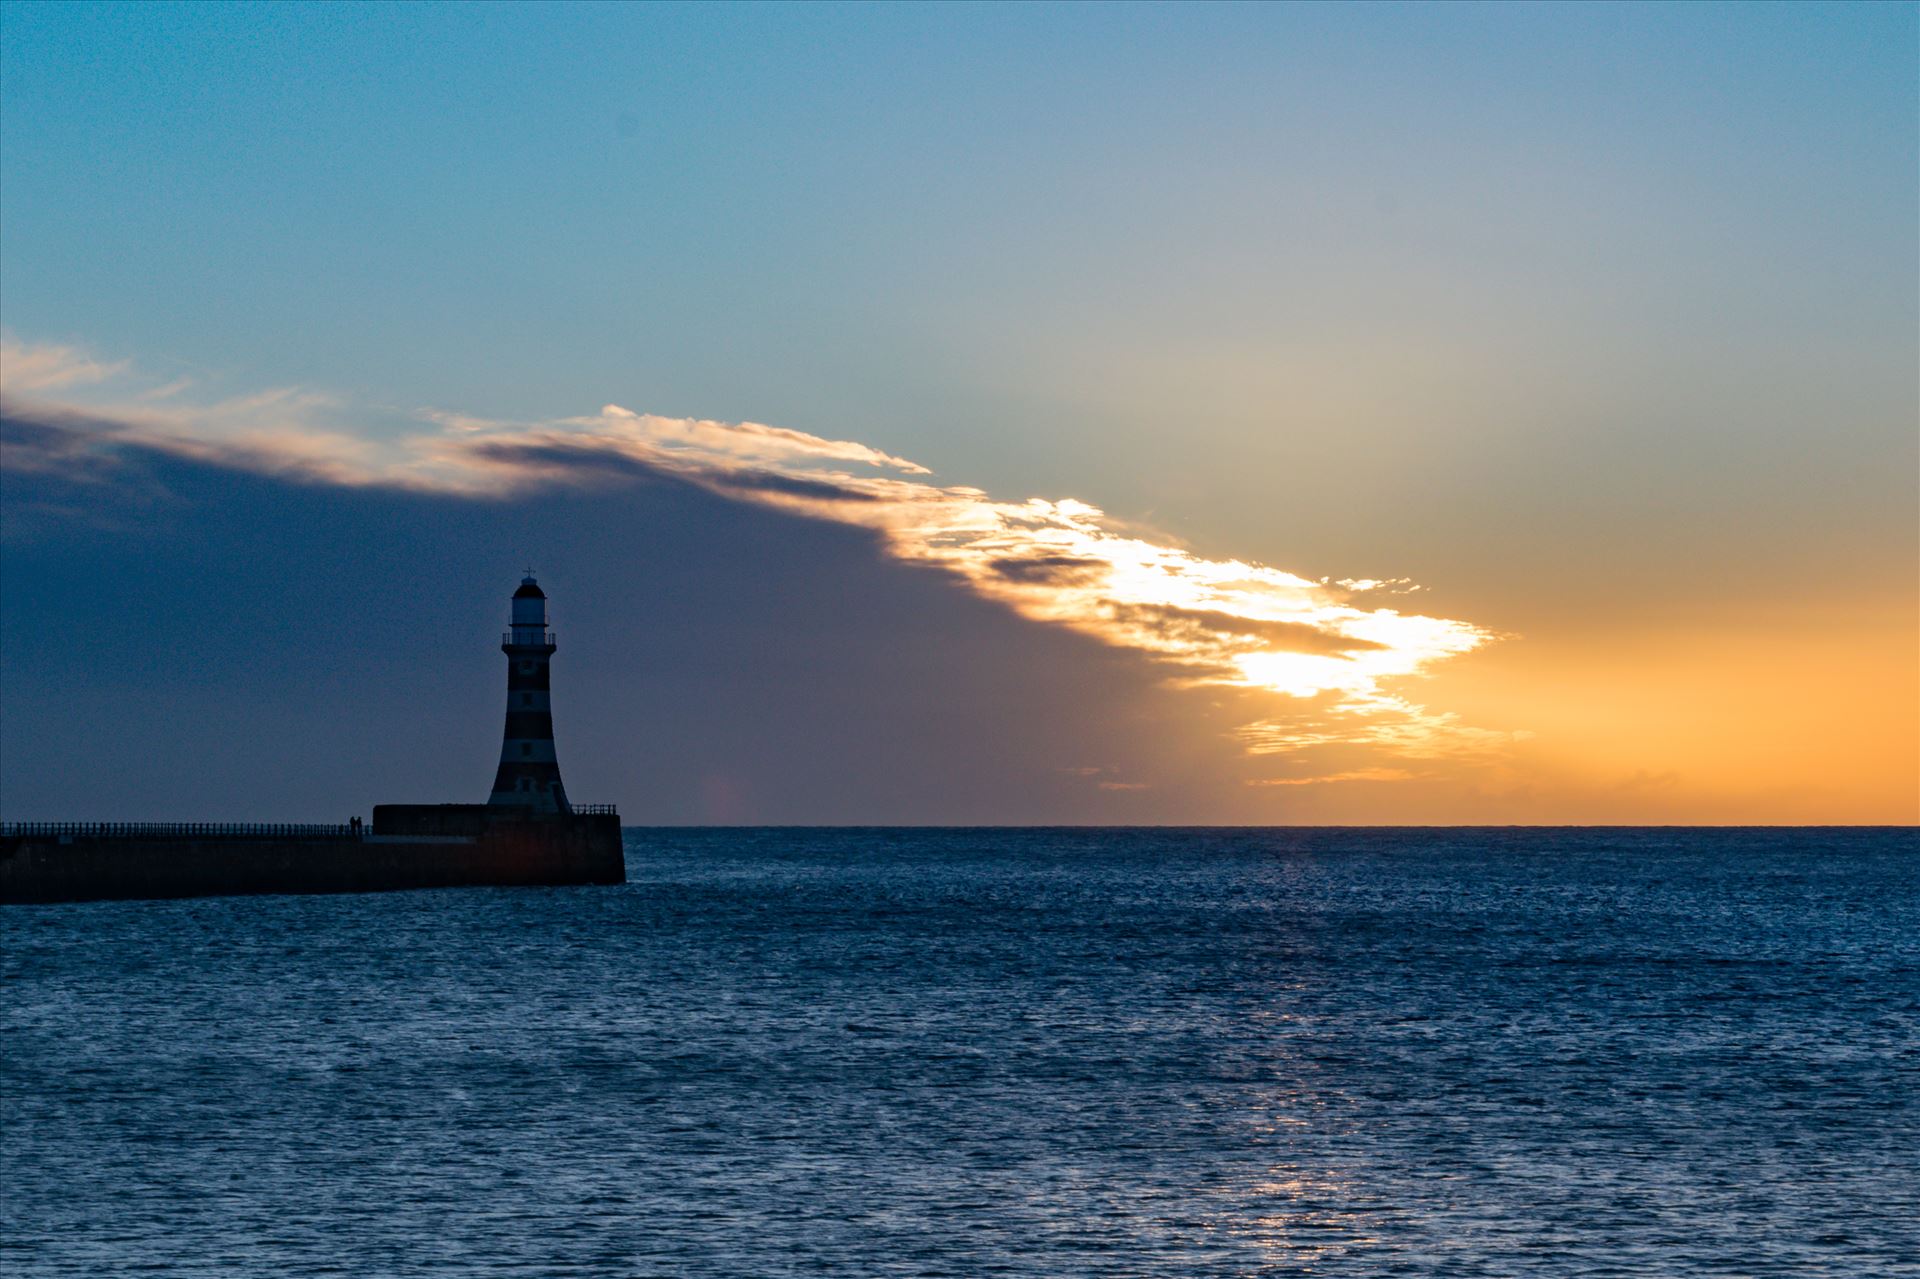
[526,832]
[529,775]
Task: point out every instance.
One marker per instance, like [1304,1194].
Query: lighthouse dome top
[529,590]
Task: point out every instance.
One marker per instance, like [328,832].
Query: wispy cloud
[33,367]
[1389,722]
[1329,660]
[1351,775]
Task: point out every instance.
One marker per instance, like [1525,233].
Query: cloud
[751,441]
[754,483]
[289,431]
[1063,562]
[1351,775]
[1048,568]
[27,368]
[73,475]
[31,447]
[1327,664]
[1195,625]
[1386,722]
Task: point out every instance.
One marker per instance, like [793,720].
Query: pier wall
[407,850]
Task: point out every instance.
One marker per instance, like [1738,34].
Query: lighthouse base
[408,846]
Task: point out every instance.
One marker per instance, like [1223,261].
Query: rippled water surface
[1157,1053]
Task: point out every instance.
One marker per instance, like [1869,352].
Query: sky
[966,413]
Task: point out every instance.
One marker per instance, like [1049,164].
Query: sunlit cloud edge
[1332,664]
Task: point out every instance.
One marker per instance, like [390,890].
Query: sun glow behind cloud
[1060,561]
[1327,658]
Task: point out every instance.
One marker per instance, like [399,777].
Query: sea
[981,1052]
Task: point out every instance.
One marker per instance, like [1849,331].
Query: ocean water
[994,1052]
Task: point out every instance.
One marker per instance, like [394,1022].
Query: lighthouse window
[526,668]
[526,748]
[526,699]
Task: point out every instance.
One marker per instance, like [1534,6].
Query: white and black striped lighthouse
[529,775]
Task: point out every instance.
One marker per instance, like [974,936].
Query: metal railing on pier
[613,809]
[182,830]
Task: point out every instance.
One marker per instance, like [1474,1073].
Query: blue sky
[1014,242]
[1596,320]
